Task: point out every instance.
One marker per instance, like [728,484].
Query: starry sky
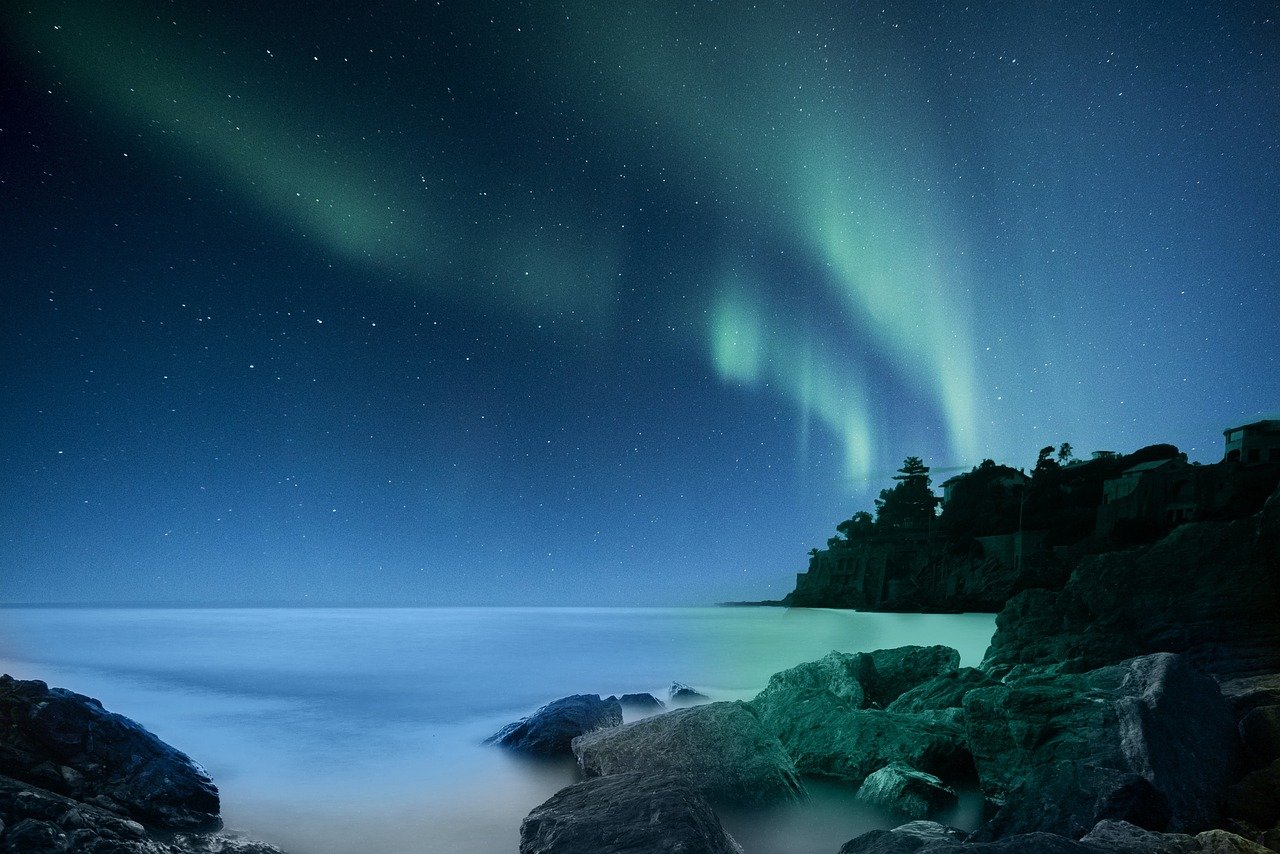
[599,303]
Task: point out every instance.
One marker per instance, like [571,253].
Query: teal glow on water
[337,730]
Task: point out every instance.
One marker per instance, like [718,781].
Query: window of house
[1254,454]
[1275,455]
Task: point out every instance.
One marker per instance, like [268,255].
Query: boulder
[907,791]
[1122,837]
[862,680]
[829,736]
[1150,741]
[632,813]
[35,821]
[1108,837]
[550,730]
[643,704]
[896,671]
[720,749]
[68,744]
[941,692]
[682,695]
[910,837]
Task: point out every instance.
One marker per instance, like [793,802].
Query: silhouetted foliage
[859,527]
[983,502]
[910,503]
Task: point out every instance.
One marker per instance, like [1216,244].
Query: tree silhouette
[910,503]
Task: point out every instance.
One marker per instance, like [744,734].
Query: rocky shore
[1134,708]
[75,777]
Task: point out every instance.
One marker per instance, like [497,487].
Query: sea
[345,730]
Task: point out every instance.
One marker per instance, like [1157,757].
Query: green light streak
[356,199]
[752,350]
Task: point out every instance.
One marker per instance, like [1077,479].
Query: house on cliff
[1253,443]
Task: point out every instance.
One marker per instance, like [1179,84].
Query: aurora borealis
[600,303]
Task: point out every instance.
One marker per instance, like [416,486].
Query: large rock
[1260,730]
[1256,798]
[824,713]
[720,749]
[1121,837]
[633,813]
[68,744]
[863,680]
[1210,590]
[550,730]
[36,821]
[1150,741]
[683,695]
[829,736]
[906,791]
[896,671]
[1108,837]
[941,692]
[642,704]
[910,837]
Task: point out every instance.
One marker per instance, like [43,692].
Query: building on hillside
[1258,442]
[1007,478]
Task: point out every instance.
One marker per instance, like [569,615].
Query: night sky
[599,303]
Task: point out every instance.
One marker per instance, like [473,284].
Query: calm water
[331,731]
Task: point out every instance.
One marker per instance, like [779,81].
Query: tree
[1064,452]
[911,502]
[860,526]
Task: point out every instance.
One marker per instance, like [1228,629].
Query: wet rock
[906,791]
[1119,836]
[908,838]
[550,730]
[720,749]
[941,692]
[896,671]
[828,736]
[35,821]
[643,704]
[632,813]
[1150,741]
[682,695]
[67,743]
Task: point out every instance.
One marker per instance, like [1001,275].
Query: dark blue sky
[570,303]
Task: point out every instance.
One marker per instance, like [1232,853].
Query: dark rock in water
[910,837]
[642,703]
[1210,590]
[550,730]
[720,749]
[941,692]
[1150,741]
[683,695]
[634,813]
[35,821]
[67,743]
[907,791]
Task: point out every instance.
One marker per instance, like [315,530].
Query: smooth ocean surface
[331,731]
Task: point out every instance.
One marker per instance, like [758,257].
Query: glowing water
[330,731]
